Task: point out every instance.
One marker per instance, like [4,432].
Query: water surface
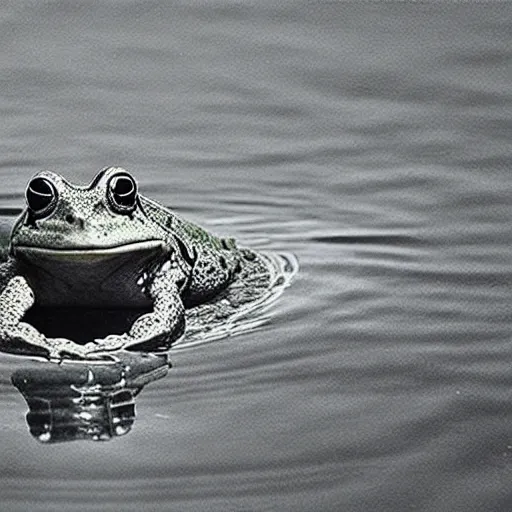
[373,140]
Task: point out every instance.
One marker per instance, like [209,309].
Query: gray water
[372,140]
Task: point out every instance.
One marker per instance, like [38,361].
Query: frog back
[212,262]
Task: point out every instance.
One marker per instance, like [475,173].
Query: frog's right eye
[41,196]
[122,193]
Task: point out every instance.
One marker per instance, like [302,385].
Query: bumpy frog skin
[107,246]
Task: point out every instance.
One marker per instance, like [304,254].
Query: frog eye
[41,196]
[122,193]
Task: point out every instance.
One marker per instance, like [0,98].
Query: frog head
[106,214]
[86,244]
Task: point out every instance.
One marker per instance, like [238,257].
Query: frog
[105,245]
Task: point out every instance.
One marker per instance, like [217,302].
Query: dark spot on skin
[168,222]
[99,207]
[69,218]
[225,244]
[222,262]
[210,270]
[249,256]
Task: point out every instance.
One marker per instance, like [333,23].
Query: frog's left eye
[122,193]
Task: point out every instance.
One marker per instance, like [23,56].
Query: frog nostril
[73,219]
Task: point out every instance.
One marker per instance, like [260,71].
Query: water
[373,140]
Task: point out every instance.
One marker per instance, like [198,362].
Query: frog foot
[18,337]
[23,338]
[151,332]
[156,330]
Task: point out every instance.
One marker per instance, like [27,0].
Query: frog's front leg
[158,329]
[20,337]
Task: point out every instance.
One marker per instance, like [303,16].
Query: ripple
[368,239]
[243,318]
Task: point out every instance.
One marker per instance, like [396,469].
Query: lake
[373,140]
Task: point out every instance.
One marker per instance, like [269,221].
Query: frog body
[107,246]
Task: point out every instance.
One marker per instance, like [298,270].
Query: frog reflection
[86,401]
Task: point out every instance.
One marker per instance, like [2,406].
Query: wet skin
[107,246]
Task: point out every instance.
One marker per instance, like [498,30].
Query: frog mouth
[87,254]
[90,276]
